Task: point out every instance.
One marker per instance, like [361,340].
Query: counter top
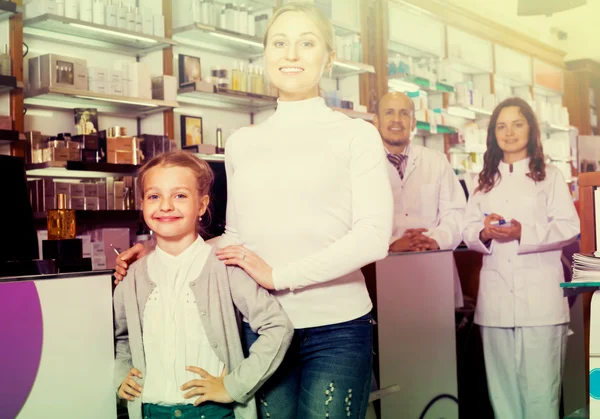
[55,276]
[461,248]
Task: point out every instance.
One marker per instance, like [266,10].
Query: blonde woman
[309,203]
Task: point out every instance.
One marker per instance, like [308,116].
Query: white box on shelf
[99,263]
[40,7]
[147,22]
[86,243]
[115,89]
[97,74]
[98,249]
[51,70]
[158,28]
[99,87]
[164,88]
[86,10]
[115,76]
[99,12]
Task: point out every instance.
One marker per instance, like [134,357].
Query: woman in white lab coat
[520,217]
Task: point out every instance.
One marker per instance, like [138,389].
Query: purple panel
[21,333]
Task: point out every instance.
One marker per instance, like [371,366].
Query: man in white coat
[429,202]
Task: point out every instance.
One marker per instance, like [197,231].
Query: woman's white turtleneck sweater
[309,192]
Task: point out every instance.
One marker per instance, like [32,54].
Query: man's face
[396,119]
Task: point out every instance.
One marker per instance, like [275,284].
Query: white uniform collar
[521,167]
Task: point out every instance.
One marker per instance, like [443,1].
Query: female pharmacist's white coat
[520,303]
[519,280]
[429,196]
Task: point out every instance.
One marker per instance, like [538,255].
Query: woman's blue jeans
[325,374]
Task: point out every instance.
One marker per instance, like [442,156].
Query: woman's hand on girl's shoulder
[125,259]
[250,262]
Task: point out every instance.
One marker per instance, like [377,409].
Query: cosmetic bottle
[122,16]
[130,19]
[139,21]
[250,24]
[235,77]
[229,17]
[236,18]
[60,7]
[243,77]
[99,12]
[85,10]
[61,221]
[260,82]
[222,19]
[207,13]
[147,22]
[5,63]
[71,9]
[220,148]
[111,14]
[243,19]
[197,11]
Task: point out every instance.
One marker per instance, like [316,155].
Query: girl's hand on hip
[209,388]
[249,261]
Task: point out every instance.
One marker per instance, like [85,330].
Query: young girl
[520,217]
[309,203]
[178,351]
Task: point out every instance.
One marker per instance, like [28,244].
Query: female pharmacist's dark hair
[490,174]
[205,177]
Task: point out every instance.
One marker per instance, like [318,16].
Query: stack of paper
[586,268]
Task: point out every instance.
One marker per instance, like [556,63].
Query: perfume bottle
[5,63]
[220,148]
[61,221]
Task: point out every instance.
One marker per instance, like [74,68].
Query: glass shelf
[424,128]
[468,112]
[343,30]
[7,83]
[226,99]
[77,32]
[510,81]
[402,81]
[99,215]
[212,157]
[238,45]
[545,91]
[395,47]
[547,128]
[80,170]
[344,68]
[465,67]
[583,413]
[61,98]
[219,40]
[8,9]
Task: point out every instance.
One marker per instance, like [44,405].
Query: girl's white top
[309,192]
[174,336]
